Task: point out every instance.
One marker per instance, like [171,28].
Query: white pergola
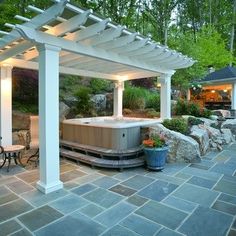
[70,40]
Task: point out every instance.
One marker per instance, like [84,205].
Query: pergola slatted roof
[90,45]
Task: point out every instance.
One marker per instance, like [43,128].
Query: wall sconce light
[213,91]
[225,90]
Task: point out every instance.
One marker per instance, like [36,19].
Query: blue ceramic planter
[155,157]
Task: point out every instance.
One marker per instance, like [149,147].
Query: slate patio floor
[184,199]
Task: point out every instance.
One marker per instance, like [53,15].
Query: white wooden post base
[118,99]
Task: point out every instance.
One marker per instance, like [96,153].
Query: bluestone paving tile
[87,178]
[8,198]
[229,178]
[14,170]
[91,210]
[124,175]
[70,175]
[225,207]
[199,166]
[72,225]
[115,214]
[40,217]
[222,168]
[83,189]
[183,176]
[167,178]
[232,232]
[180,204]
[70,185]
[226,187]
[108,172]
[205,221]
[162,214]
[227,198]
[119,231]
[157,190]
[105,182]
[69,203]
[140,225]
[9,227]
[137,200]
[4,191]
[22,232]
[19,187]
[234,224]
[123,190]
[202,173]
[13,209]
[206,183]
[168,232]
[29,177]
[103,197]
[138,182]
[196,194]
[7,180]
[37,198]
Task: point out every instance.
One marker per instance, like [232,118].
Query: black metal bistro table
[12,151]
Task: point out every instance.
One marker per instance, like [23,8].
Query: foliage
[176,124]
[134,97]
[84,105]
[181,107]
[144,83]
[151,113]
[155,141]
[194,121]
[99,85]
[206,113]
[153,101]
[25,107]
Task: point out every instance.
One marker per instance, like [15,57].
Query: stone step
[99,162]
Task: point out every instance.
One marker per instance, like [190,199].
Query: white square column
[233,97]
[49,119]
[165,81]
[118,99]
[6,105]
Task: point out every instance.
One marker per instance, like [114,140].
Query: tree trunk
[232,31]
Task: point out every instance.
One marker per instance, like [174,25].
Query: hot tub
[106,132]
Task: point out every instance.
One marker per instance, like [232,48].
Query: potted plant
[155,149]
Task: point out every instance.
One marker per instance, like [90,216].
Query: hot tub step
[104,153]
[99,162]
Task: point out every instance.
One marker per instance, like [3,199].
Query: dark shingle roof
[222,74]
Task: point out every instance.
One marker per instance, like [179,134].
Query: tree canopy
[202,29]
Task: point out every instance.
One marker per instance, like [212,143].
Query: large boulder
[20,121]
[63,111]
[230,124]
[99,101]
[181,148]
[227,136]
[221,113]
[208,122]
[202,137]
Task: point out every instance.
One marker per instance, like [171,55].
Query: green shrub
[99,85]
[206,113]
[84,105]
[194,109]
[194,121]
[181,107]
[153,101]
[134,98]
[176,124]
[153,114]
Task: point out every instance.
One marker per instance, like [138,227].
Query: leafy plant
[134,97]
[84,105]
[155,141]
[99,85]
[153,101]
[206,113]
[176,124]
[194,121]
[193,109]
